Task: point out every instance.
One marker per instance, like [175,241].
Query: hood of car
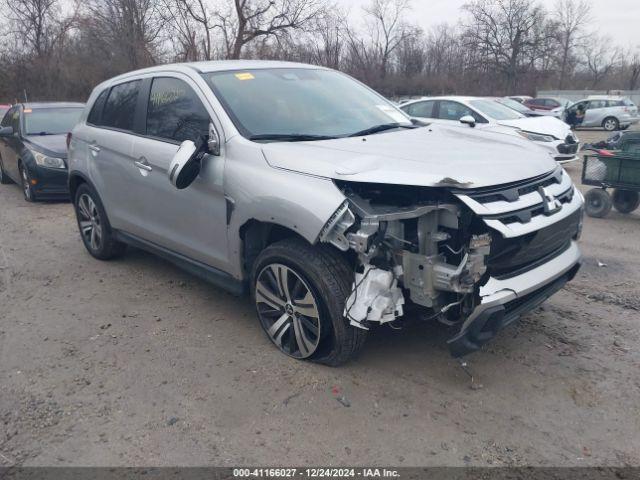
[428,156]
[544,124]
[53,145]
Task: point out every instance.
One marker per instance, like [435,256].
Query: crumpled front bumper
[503,301]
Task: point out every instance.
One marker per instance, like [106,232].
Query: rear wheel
[25,180]
[597,203]
[300,291]
[625,201]
[94,226]
[610,124]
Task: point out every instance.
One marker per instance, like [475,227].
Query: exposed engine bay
[411,245]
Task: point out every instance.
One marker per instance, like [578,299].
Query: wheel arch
[76,179]
[256,235]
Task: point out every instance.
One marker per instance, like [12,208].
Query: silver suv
[320,197]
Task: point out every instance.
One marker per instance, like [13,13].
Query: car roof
[52,105]
[605,97]
[217,66]
[459,98]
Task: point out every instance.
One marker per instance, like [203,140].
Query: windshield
[50,121]
[495,110]
[303,103]
[513,105]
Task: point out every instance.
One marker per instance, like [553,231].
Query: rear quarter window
[120,108]
[95,114]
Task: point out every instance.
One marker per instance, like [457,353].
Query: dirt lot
[134,362]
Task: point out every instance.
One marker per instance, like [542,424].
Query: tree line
[61,49]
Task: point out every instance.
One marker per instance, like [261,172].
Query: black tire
[329,279]
[4,179]
[625,201]
[25,183]
[597,203]
[98,236]
[610,124]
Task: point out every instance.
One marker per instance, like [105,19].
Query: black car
[33,149]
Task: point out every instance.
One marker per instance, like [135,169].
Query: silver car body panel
[423,157]
[299,186]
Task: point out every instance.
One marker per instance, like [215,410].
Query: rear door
[191,221]
[9,146]
[110,138]
[595,114]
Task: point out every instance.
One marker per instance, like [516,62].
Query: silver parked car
[311,191]
[610,113]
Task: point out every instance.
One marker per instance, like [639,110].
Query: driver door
[192,221]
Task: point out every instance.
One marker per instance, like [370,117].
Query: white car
[551,134]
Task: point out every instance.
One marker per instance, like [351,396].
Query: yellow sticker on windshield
[244,76]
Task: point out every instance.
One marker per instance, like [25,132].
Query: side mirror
[185,165]
[6,132]
[468,120]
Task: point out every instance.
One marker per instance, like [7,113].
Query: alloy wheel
[26,185]
[610,125]
[90,223]
[288,311]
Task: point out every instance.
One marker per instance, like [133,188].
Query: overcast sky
[619,19]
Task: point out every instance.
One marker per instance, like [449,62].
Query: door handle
[143,166]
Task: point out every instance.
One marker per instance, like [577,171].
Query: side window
[551,103]
[615,103]
[597,104]
[421,109]
[120,107]
[454,111]
[96,110]
[6,121]
[175,112]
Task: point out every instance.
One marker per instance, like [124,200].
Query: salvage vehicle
[33,148]
[552,106]
[549,133]
[608,112]
[324,200]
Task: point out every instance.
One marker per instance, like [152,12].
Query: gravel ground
[134,362]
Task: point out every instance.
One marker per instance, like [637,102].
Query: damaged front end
[411,246]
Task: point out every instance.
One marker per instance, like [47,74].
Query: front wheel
[610,124]
[300,291]
[597,203]
[94,226]
[27,187]
[625,201]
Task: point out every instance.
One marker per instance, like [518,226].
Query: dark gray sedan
[33,150]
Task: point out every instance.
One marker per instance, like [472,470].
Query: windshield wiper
[290,137]
[381,128]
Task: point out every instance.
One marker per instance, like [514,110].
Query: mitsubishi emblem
[551,205]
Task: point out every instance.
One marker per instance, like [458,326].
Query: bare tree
[132,28]
[601,58]
[571,18]
[244,21]
[633,69]
[387,28]
[508,33]
[37,24]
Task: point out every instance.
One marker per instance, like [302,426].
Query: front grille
[514,256]
[513,192]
